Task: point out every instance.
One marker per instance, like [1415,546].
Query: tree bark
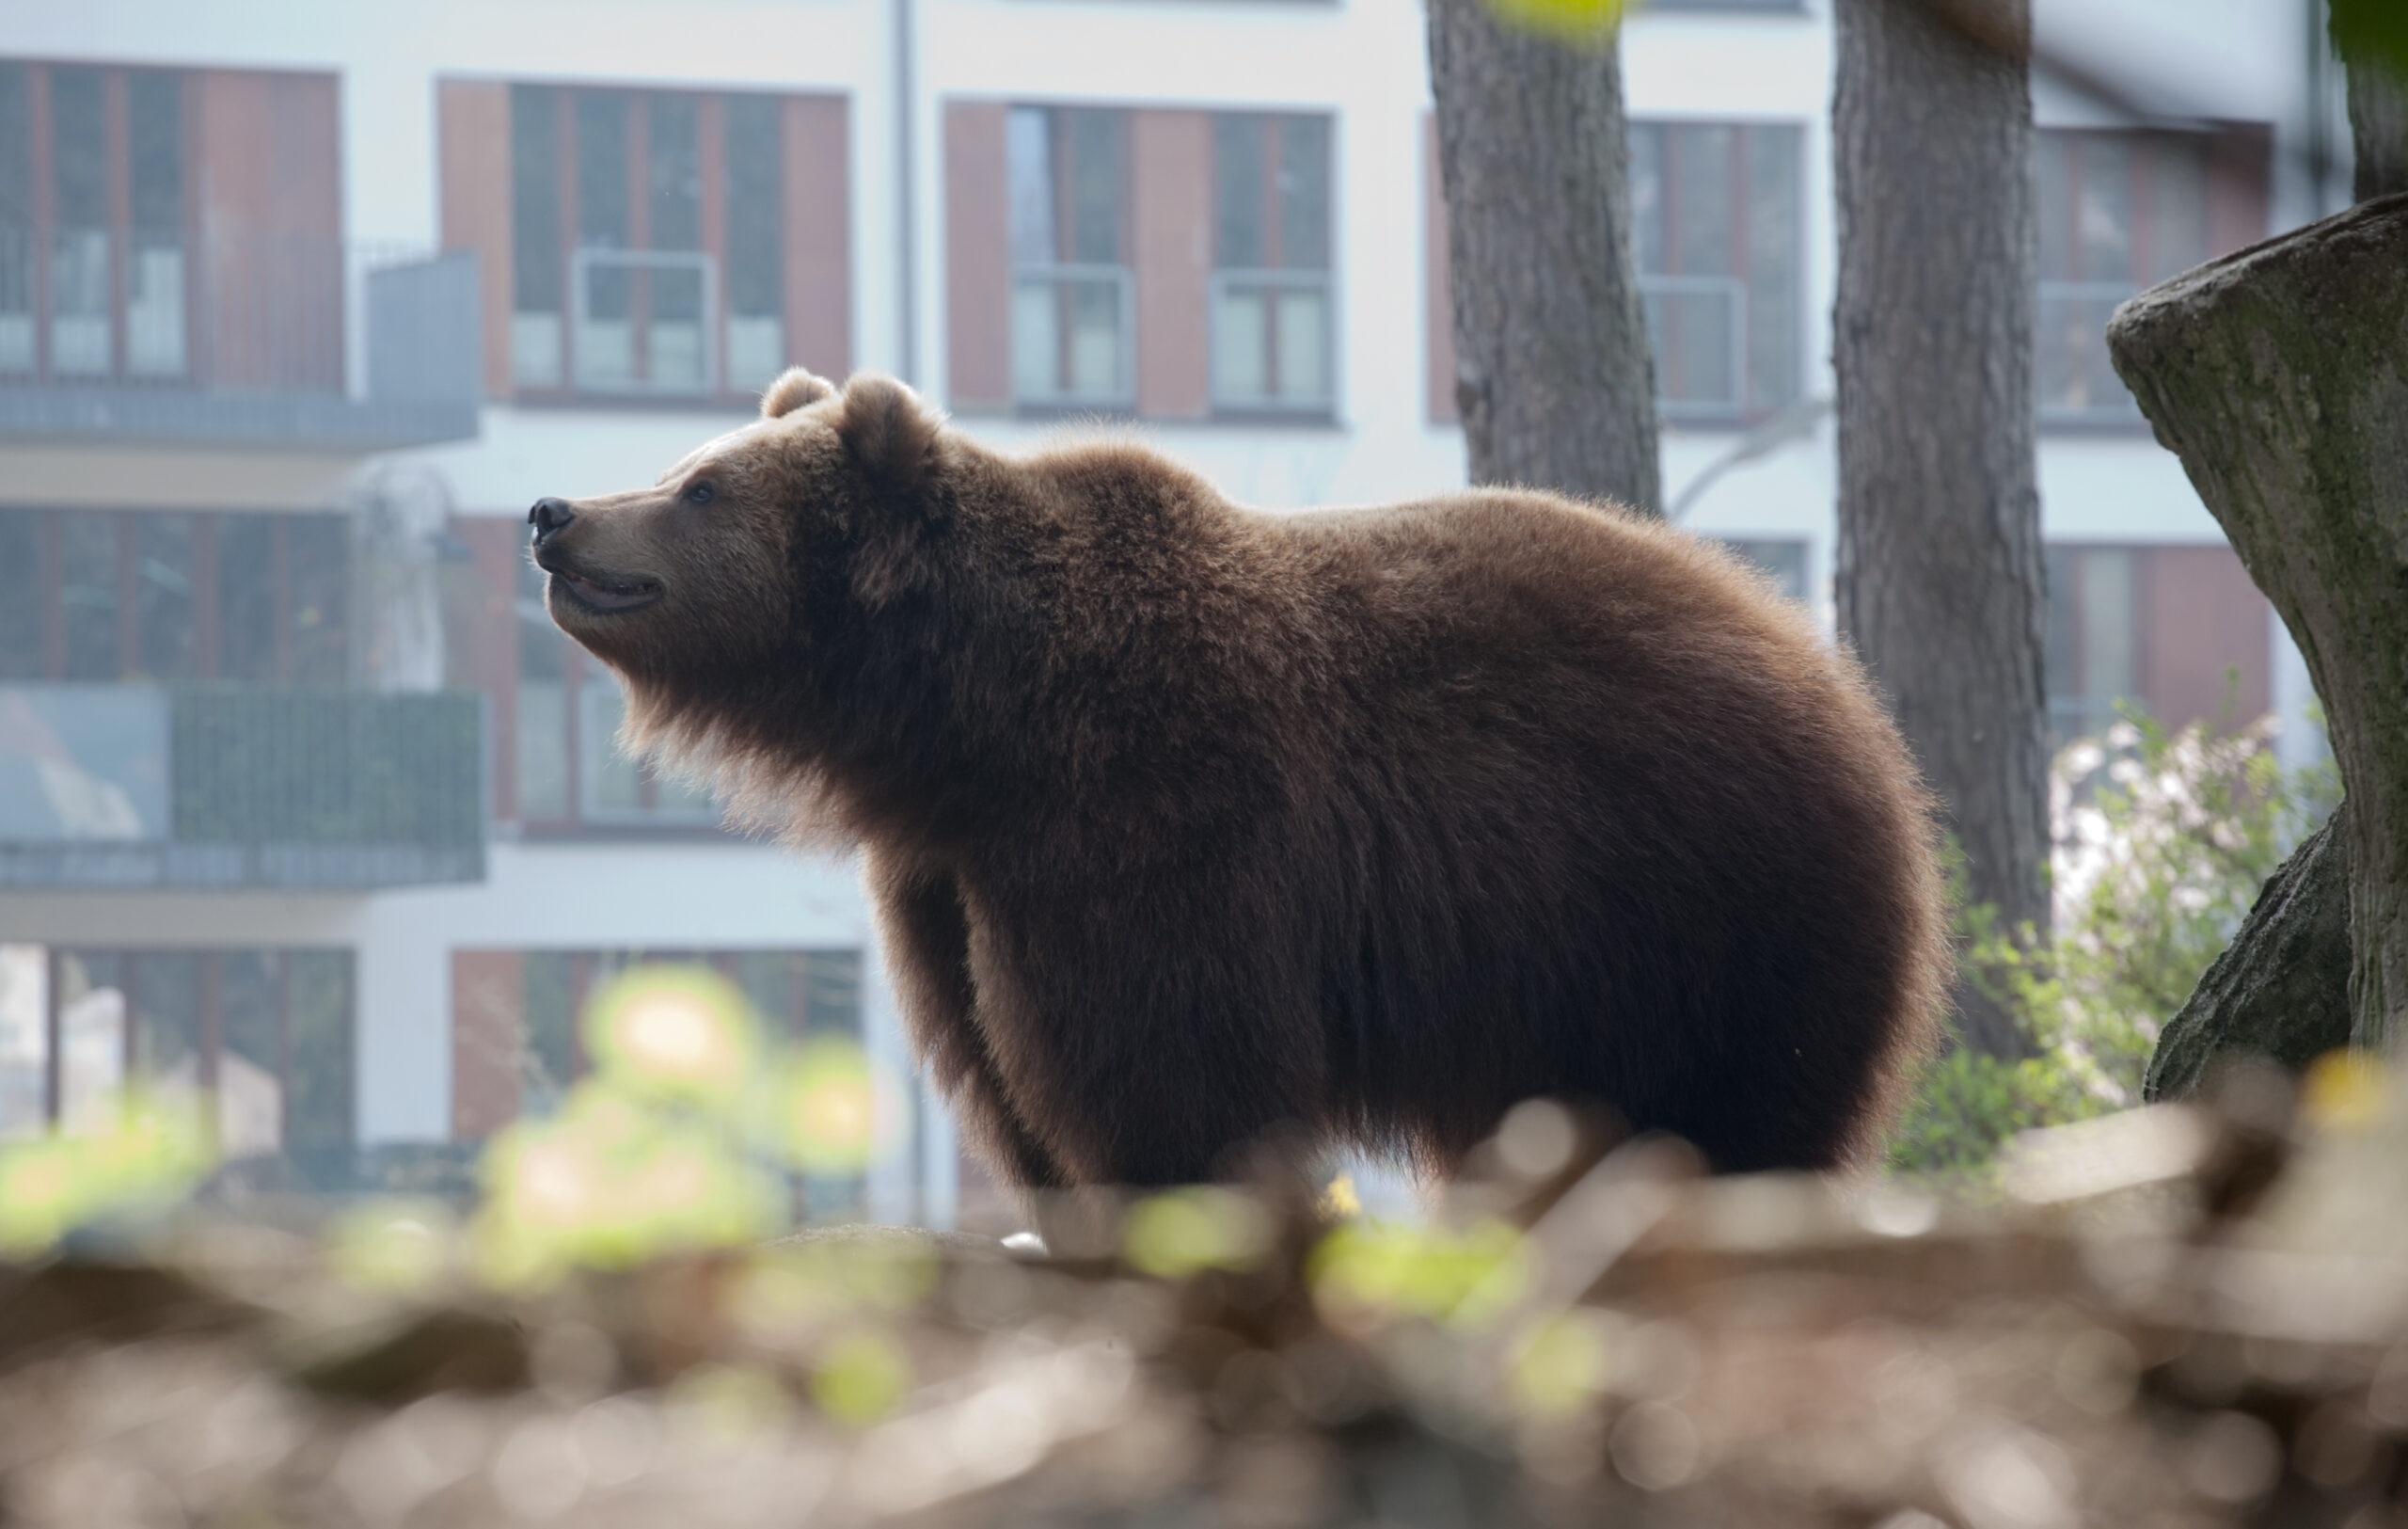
[2378,129]
[2280,378]
[2280,991]
[1555,379]
[1939,576]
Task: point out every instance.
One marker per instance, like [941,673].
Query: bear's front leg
[927,947]
[1147,1039]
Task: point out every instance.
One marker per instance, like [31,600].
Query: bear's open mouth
[608,595]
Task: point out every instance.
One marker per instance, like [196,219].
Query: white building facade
[302,306]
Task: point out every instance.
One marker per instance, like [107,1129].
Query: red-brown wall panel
[270,197]
[977,245]
[488,1036]
[2239,162]
[472,131]
[483,637]
[1172,197]
[818,235]
[2200,620]
[1438,316]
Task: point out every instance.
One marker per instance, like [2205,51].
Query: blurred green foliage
[1574,21]
[147,1152]
[2372,31]
[1366,1271]
[2161,841]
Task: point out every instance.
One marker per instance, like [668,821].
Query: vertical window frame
[1275,273]
[1761,387]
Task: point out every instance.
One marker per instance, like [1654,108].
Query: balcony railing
[128,786]
[244,337]
[1272,345]
[1074,332]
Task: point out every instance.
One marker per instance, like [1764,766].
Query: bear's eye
[702,493]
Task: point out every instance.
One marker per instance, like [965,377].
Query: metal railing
[1272,340]
[125,786]
[1074,336]
[243,334]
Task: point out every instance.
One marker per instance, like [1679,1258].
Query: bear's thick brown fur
[1185,822]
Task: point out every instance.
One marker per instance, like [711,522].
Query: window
[570,768]
[97,289]
[2117,212]
[647,241]
[1270,319]
[110,597]
[2181,631]
[516,1047]
[1072,294]
[1716,222]
[268,1032]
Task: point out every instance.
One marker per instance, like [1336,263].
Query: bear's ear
[794,388]
[888,430]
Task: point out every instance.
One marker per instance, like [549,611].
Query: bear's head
[709,586]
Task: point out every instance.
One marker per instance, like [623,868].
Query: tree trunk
[1938,577]
[2280,376]
[2280,991]
[2378,129]
[1555,380]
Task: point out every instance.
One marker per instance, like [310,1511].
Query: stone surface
[2280,989]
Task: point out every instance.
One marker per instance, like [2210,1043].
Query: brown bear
[1185,822]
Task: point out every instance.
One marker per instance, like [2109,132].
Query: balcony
[130,786]
[237,341]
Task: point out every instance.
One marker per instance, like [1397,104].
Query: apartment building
[303,798]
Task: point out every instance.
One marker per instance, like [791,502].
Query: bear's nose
[549,517]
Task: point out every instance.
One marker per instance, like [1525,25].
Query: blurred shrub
[2161,841]
[146,1153]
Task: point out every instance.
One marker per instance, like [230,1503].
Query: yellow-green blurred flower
[860,1376]
[149,1151]
[835,1111]
[2346,1090]
[1368,1269]
[606,1184]
[1187,1231]
[1558,1363]
[1577,21]
[680,1031]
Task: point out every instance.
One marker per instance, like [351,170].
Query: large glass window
[1716,224]
[1271,309]
[756,342]
[570,768]
[17,231]
[2117,212]
[618,284]
[104,595]
[1073,295]
[95,289]
[267,1035]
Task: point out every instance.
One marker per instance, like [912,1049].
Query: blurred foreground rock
[2170,1318]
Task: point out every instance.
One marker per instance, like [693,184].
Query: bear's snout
[549,518]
